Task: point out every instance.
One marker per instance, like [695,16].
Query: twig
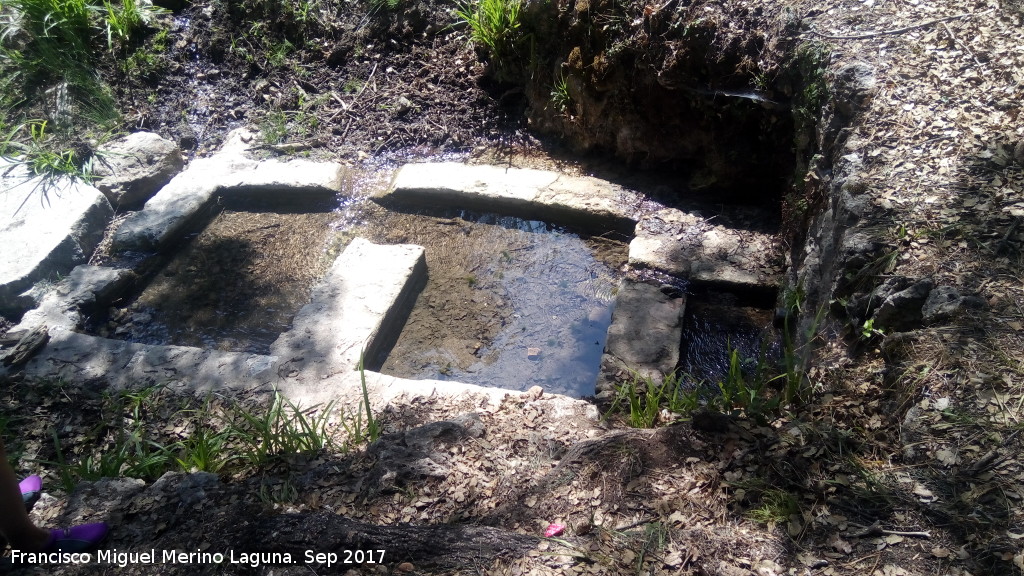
[897,30]
[347,126]
[877,530]
[956,42]
[365,84]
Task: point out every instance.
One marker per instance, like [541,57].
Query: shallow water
[234,286]
[509,302]
[712,329]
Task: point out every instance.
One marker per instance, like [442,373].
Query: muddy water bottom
[237,284]
[509,303]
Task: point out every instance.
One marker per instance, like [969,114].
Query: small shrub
[776,507]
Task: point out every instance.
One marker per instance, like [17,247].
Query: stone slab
[86,287]
[187,197]
[46,229]
[522,192]
[646,330]
[81,358]
[357,309]
[688,246]
[384,391]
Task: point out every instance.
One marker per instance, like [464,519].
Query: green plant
[123,22]
[352,86]
[868,330]
[560,97]
[32,145]
[384,5]
[281,429]
[205,450]
[642,400]
[496,26]
[278,53]
[274,127]
[372,425]
[776,507]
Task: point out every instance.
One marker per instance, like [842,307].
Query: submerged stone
[646,329]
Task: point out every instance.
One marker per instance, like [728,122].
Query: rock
[646,329]
[525,193]
[358,308]
[688,246]
[901,311]
[86,287]
[46,229]
[945,302]
[133,168]
[26,347]
[402,106]
[853,86]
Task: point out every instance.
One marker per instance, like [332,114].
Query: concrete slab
[358,308]
[187,197]
[82,359]
[688,246]
[46,229]
[526,193]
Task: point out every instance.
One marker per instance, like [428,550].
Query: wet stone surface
[509,302]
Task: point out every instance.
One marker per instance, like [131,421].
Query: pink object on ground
[554,530]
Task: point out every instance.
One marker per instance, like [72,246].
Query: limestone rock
[358,309]
[945,302]
[521,192]
[902,310]
[46,229]
[134,168]
[646,329]
[229,173]
[62,308]
[688,246]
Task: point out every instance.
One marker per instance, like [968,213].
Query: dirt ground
[905,463]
